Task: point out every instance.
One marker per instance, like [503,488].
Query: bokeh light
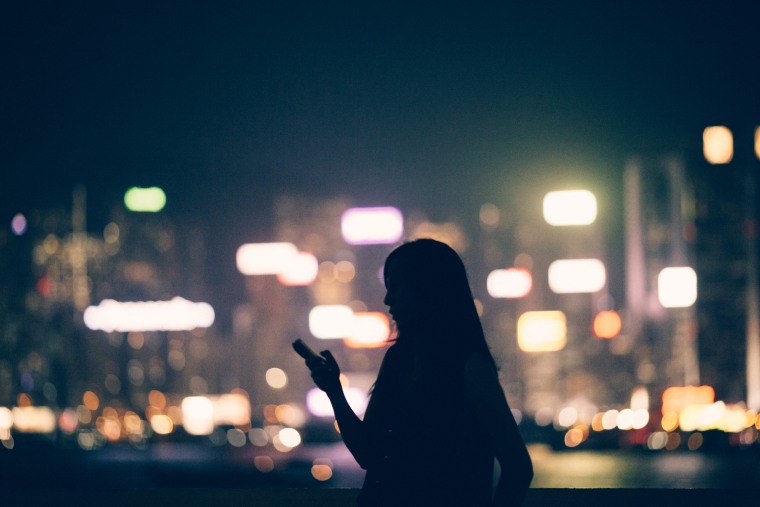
[570,276]
[509,283]
[266,258]
[331,321]
[150,200]
[276,378]
[178,314]
[570,207]
[372,226]
[677,287]
[718,144]
[18,224]
[543,331]
[607,324]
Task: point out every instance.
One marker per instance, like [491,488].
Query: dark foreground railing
[280,497]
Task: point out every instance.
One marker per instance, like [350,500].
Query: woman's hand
[325,372]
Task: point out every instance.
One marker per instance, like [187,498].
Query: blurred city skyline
[265,124]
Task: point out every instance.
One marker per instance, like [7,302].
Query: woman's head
[429,295]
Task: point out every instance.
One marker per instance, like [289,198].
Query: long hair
[445,325]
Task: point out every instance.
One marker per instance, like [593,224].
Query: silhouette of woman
[437,416]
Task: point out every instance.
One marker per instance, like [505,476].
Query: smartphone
[305,351]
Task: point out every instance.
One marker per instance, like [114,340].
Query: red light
[44,286]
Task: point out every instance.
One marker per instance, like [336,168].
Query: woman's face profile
[398,297]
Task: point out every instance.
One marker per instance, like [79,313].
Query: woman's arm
[492,410]
[326,375]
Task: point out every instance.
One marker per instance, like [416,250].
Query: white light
[178,314]
[567,416]
[276,378]
[300,270]
[265,258]
[571,276]
[289,437]
[677,287]
[609,419]
[509,283]
[570,207]
[368,226]
[6,419]
[198,415]
[542,331]
[640,418]
[625,419]
[319,404]
[331,321]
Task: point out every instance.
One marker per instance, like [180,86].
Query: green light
[151,199]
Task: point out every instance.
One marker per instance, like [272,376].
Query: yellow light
[669,421]
[572,276]
[757,142]
[677,398]
[509,283]
[266,258]
[607,324]
[331,321]
[34,419]
[570,207]
[151,199]
[232,408]
[162,424]
[370,226]
[677,287]
[542,331]
[718,145]
[370,330]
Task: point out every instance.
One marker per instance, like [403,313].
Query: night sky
[439,106]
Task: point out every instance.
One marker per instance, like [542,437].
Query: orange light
[674,399]
[370,330]
[607,324]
